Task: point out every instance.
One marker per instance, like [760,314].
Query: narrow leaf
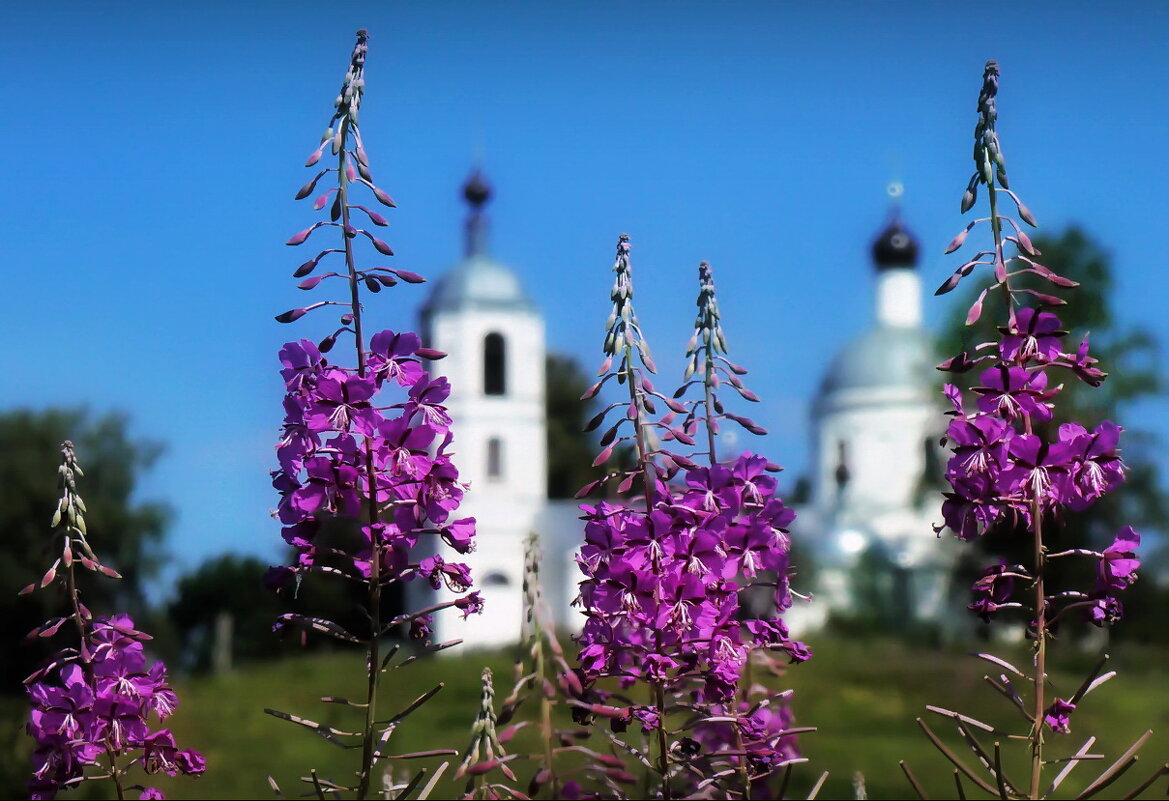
[1116,769]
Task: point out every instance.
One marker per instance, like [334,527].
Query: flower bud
[957,241]
[301,236]
[968,198]
[1027,217]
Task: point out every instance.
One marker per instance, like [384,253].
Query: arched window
[494,365]
[842,474]
[496,579]
[495,458]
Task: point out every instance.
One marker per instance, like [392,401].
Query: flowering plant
[662,578]
[1005,475]
[352,456]
[93,704]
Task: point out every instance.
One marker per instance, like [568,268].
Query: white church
[875,425]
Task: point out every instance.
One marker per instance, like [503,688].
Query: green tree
[225,585]
[570,449]
[126,533]
[1129,354]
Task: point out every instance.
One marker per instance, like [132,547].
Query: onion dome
[476,190]
[885,357]
[895,247]
[478,281]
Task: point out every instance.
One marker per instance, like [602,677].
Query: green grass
[862,695]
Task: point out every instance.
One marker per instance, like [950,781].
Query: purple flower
[661,589]
[151,794]
[389,357]
[1098,468]
[1104,609]
[340,402]
[302,362]
[85,713]
[1037,470]
[460,534]
[426,397]
[1084,366]
[993,589]
[1036,336]
[1058,716]
[436,570]
[1119,562]
[1012,392]
[470,604]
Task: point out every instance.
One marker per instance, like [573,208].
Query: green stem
[368,738]
[115,774]
[663,743]
[1039,678]
[708,400]
[545,711]
[1040,652]
[643,459]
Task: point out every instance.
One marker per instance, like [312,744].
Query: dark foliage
[125,532]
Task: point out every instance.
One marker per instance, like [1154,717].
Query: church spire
[477,192]
[895,257]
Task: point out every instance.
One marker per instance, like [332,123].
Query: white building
[479,314]
[875,427]
[875,460]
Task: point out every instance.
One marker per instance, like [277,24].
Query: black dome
[476,190]
[895,247]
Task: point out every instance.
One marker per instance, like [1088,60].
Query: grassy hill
[862,694]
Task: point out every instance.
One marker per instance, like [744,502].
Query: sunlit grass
[862,695]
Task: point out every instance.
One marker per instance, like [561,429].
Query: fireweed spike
[365,447]
[1011,471]
[661,589]
[94,704]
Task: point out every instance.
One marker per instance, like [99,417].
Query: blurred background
[153,151]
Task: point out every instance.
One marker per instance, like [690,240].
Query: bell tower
[493,335]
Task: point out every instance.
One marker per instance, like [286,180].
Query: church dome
[884,357]
[478,281]
[895,247]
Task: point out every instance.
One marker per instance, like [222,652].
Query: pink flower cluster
[1000,469]
[664,573]
[1001,472]
[334,433]
[91,705]
[98,705]
[1009,470]
[662,589]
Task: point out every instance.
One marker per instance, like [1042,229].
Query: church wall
[506,505]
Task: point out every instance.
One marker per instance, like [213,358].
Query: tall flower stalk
[663,576]
[1005,474]
[353,455]
[93,703]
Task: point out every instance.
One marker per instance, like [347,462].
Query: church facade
[876,463]
[493,335]
[875,426]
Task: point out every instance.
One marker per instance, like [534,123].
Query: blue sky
[152,152]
